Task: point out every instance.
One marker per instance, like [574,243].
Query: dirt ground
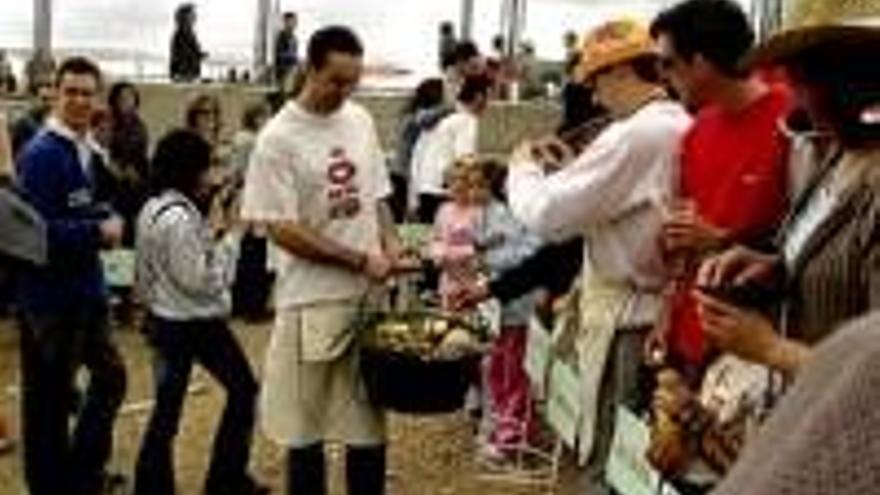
[428,455]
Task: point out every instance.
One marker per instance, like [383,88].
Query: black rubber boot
[365,470]
[306,471]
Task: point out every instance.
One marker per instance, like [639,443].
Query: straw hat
[613,43]
[812,23]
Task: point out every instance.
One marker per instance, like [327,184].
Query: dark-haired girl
[185,267]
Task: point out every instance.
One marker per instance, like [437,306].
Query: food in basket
[436,328]
[429,337]
[457,342]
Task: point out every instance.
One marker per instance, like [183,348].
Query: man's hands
[737,266]
[224,214]
[470,296]
[656,346]
[742,332]
[111,230]
[686,231]
[749,335]
[379,266]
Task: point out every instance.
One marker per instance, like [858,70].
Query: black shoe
[107,483]
[246,487]
[114,483]
[365,470]
[306,471]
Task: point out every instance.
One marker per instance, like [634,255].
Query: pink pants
[509,394]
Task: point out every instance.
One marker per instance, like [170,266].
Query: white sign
[118,267]
[628,470]
[537,357]
[563,402]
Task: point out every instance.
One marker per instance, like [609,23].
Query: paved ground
[429,456]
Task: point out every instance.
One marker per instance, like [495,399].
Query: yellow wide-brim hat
[613,43]
[813,23]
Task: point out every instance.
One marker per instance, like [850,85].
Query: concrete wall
[503,126]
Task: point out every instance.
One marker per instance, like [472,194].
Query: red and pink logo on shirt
[343,194]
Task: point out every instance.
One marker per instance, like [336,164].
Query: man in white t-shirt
[437,149]
[317,182]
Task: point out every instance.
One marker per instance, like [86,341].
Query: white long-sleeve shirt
[437,149]
[613,194]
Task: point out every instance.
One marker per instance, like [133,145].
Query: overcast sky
[399,31]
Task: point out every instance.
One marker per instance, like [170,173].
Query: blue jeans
[178,345]
[54,347]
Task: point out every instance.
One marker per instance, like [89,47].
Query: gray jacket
[22,230]
[182,273]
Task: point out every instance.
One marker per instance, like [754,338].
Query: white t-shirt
[326,173]
[437,149]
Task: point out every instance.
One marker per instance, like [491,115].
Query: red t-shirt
[734,168]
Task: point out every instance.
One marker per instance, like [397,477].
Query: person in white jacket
[612,193]
[437,149]
[185,269]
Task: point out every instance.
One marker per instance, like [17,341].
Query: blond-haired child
[453,248]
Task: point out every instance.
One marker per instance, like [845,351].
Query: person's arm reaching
[588,191]
[749,335]
[305,243]
[542,269]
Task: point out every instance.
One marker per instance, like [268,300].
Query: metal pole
[521,18]
[769,17]
[467,20]
[42,26]
[516,17]
[504,27]
[261,37]
[508,27]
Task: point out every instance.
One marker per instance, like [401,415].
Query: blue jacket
[55,183]
[506,243]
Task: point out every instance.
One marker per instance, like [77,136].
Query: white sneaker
[491,455]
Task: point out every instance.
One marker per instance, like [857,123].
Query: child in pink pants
[504,243]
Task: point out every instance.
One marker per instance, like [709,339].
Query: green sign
[537,358]
[118,267]
[564,401]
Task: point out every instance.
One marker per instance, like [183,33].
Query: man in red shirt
[734,176]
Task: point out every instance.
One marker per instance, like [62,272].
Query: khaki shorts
[312,387]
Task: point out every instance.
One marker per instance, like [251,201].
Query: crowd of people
[705,213]
[723,197]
